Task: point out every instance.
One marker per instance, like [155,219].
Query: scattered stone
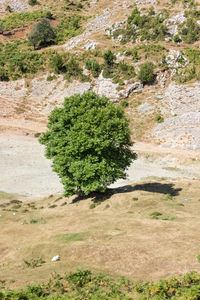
[175,59]
[146,107]
[105,87]
[173,22]
[16,5]
[159,96]
[56,258]
[133,87]
[91,45]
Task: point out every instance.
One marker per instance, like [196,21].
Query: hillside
[144,56]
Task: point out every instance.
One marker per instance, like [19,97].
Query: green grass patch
[72,237]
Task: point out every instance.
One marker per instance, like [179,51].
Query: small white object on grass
[55,258]
[14,214]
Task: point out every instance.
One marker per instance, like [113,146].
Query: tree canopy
[88,140]
[42,34]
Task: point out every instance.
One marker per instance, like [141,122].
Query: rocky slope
[178,104]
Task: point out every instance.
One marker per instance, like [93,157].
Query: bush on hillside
[146,74]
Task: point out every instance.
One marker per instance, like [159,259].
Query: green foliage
[34,263]
[42,34]
[57,64]
[1,27]
[189,31]
[148,26]
[72,237]
[72,69]
[8,8]
[176,38]
[93,66]
[17,59]
[109,58]
[155,215]
[83,284]
[89,142]
[21,19]
[159,118]
[146,74]
[67,28]
[80,278]
[33,2]
[198,258]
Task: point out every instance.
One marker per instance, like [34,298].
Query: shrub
[190,31]
[93,66]
[159,118]
[8,8]
[1,27]
[34,263]
[57,64]
[42,34]
[68,28]
[177,39]
[109,58]
[89,142]
[33,2]
[146,74]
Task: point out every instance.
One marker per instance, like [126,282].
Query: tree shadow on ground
[152,187]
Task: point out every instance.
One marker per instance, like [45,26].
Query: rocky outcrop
[16,5]
[175,59]
[173,22]
[182,127]
[105,87]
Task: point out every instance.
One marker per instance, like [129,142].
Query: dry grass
[119,236]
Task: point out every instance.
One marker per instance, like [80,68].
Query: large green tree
[42,34]
[88,140]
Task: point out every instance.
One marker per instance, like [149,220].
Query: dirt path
[25,170]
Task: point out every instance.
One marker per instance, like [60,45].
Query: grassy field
[146,231]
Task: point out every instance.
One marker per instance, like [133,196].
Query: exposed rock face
[16,5]
[183,129]
[180,99]
[38,98]
[175,59]
[105,87]
[145,108]
[173,22]
[90,45]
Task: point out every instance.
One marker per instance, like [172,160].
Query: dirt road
[25,170]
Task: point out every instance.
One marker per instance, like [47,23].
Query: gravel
[25,170]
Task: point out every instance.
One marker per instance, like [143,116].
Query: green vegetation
[23,18]
[146,74]
[93,66]
[42,34]
[71,237]
[159,118]
[83,284]
[89,142]
[33,2]
[17,60]
[189,31]
[149,26]
[68,66]
[34,263]
[67,28]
